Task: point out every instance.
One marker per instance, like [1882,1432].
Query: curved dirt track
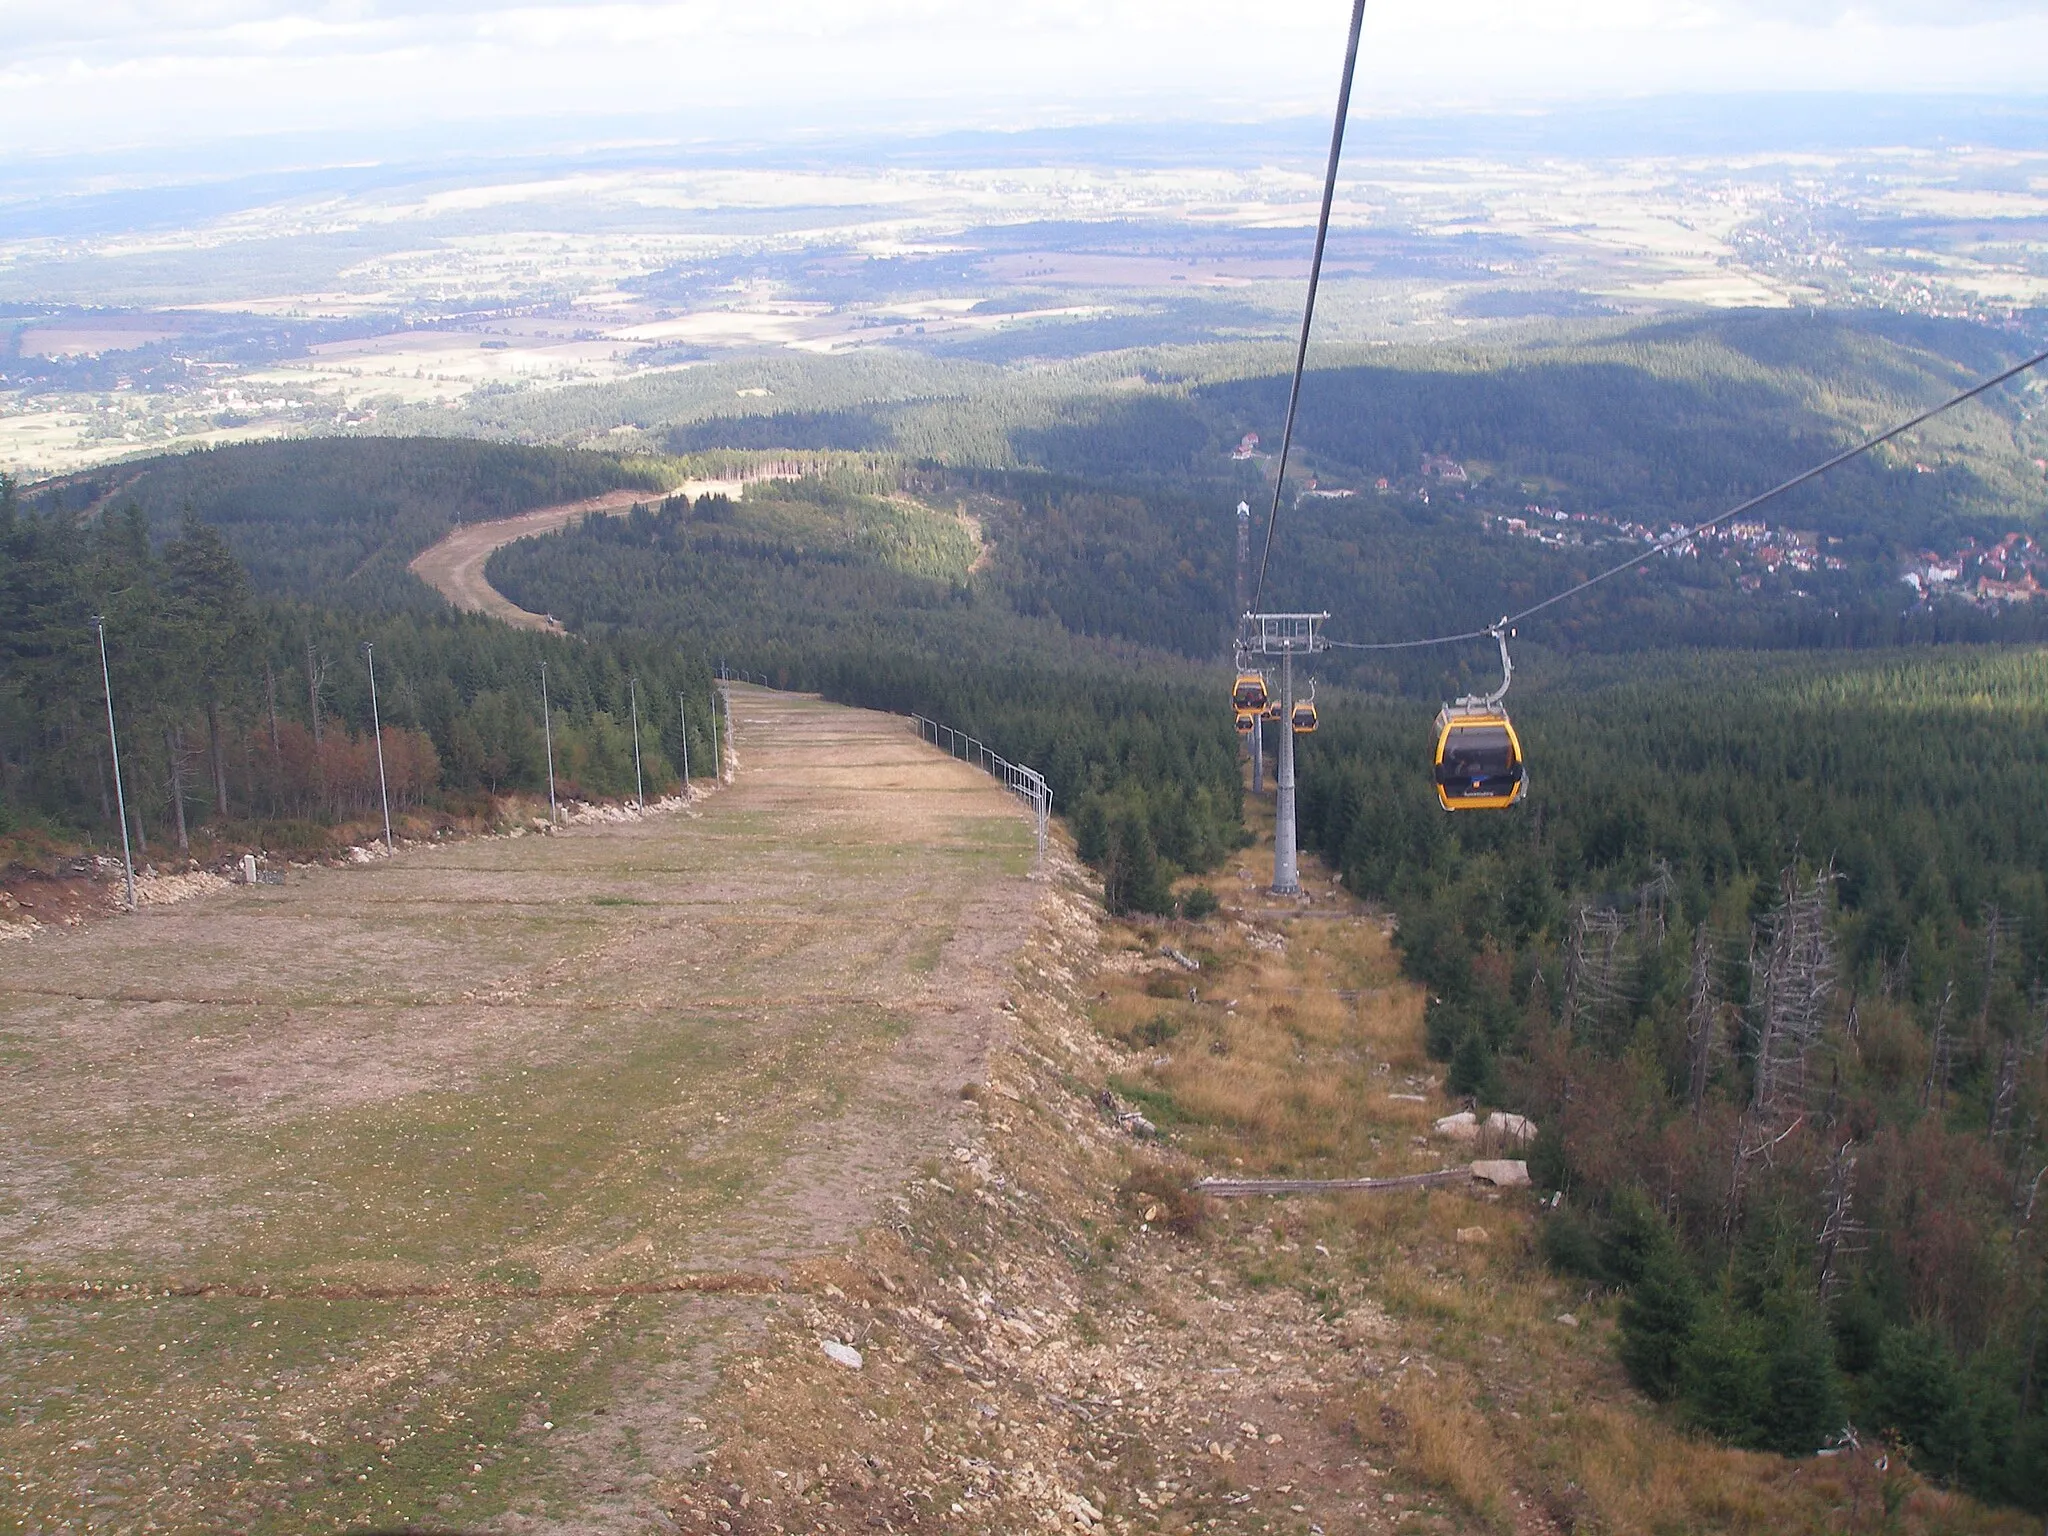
[454,567]
[449,1121]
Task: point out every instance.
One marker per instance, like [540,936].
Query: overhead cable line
[1674,540]
[1315,274]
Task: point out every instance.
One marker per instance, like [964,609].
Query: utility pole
[683,712]
[717,758]
[99,625]
[1284,635]
[639,784]
[377,728]
[547,731]
[1244,557]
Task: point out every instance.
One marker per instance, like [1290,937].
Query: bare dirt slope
[455,566]
[438,1131]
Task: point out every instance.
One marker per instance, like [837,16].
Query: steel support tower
[1285,635]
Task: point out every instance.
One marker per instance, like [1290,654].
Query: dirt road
[455,566]
[441,1122]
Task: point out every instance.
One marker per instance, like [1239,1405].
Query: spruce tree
[1804,1405]
[1724,1375]
[1658,1318]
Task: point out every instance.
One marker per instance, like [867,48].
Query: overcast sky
[92,74]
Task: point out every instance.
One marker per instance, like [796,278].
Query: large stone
[1518,1129]
[1506,1173]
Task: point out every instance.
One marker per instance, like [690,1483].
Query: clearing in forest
[434,1190]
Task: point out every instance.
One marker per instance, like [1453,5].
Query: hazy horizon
[149,76]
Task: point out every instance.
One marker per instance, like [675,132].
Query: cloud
[104,72]
[1899,13]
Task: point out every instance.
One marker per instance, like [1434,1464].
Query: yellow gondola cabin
[1478,765]
[1478,761]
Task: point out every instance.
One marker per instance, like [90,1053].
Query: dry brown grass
[1450,1446]
[1467,1381]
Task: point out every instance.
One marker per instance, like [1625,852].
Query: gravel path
[455,566]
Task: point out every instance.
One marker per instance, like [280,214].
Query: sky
[84,76]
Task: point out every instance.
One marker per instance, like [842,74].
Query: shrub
[1198,903]
[1569,1246]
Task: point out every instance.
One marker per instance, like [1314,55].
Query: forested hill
[1667,417]
[335,520]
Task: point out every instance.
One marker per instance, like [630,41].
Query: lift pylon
[1285,635]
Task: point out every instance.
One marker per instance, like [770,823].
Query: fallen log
[1230,1189]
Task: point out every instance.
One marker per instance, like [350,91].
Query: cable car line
[1672,541]
[1315,275]
[1477,762]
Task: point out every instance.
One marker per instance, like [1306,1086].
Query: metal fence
[1027,784]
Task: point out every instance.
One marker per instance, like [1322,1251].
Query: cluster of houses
[2005,572]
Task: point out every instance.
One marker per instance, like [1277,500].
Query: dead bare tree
[316,674]
[1792,968]
[1651,898]
[1934,1089]
[1895,973]
[1592,969]
[1997,929]
[1794,981]
[1840,1232]
[2005,1092]
[1702,1018]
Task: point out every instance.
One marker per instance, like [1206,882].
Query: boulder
[1519,1129]
[1505,1173]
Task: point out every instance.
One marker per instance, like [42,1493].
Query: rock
[1506,1173]
[1519,1129]
[1566,1320]
[1471,1234]
[1408,1098]
[1463,1126]
[842,1354]
[1083,1512]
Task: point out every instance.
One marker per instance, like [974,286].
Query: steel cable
[1674,540]
[1315,276]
